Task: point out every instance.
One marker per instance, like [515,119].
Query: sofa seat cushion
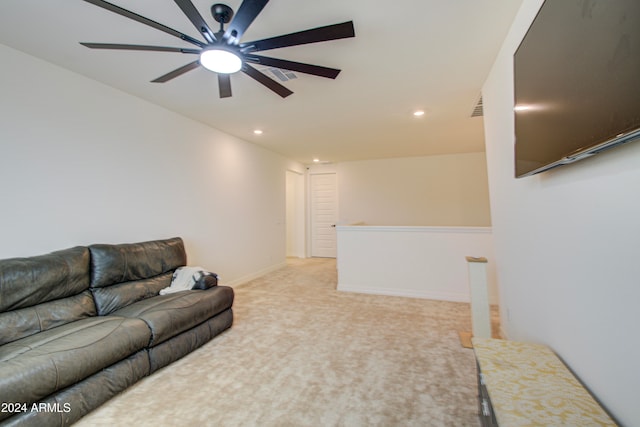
[36,366]
[169,315]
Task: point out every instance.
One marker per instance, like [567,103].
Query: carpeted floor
[302,354]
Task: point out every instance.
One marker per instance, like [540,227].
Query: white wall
[447,190]
[567,248]
[416,262]
[83,163]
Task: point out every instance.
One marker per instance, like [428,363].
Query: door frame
[295,206]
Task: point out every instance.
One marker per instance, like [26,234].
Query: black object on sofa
[79,326]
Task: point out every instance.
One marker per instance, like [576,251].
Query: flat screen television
[577,82]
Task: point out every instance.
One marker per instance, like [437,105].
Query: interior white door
[324,213]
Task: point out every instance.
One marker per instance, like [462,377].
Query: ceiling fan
[222,51]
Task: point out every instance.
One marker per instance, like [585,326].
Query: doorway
[323,214]
[295,215]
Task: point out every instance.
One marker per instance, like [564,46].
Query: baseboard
[441,296]
[249,277]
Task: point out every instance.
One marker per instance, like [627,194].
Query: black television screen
[577,82]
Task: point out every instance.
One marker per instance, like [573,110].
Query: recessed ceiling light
[418,113]
[316,160]
[257,132]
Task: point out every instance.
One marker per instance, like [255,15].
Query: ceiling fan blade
[245,15]
[196,19]
[270,83]
[224,85]
[177,72]
[138,47]
[139,18]
[314,35]
[315,70]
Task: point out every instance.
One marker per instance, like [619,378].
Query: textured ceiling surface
[432,55]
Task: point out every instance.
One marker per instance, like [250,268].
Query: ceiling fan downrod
[222,14]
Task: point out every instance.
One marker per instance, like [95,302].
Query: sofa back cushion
[42,292]
[126,273]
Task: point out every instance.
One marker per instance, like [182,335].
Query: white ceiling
[432,55]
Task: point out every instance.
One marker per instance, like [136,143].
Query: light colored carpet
[301,353]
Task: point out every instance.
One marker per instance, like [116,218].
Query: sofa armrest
[208,280]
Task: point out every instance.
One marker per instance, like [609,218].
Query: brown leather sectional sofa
[80,325]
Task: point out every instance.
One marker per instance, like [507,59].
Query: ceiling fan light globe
[220,61]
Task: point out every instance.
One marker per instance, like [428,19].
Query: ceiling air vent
[477,110]
[282,75]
